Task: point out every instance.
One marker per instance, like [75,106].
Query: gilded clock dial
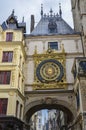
[49,70]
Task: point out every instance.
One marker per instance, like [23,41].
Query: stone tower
[51,49]
[79,68]
[79,18]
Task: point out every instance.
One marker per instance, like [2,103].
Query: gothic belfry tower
[79,68]
[51,48]
[79,18]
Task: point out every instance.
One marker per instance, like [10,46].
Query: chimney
[32,23]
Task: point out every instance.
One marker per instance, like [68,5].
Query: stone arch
[49,103]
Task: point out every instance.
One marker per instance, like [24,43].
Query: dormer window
[9,36]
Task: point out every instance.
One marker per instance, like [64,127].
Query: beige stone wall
[83,93]
[14,91]
[14,66]
[71,43]
[17,35]
[79,18]
[12,96]
[66,99]
[79,14]
[72,46]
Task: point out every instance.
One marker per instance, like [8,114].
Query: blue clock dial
[50,70]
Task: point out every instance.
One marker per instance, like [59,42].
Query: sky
[25,8]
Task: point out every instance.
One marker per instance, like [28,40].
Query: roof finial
[60,11]
[13,12]
[23,19]
[51,11]
[41,10]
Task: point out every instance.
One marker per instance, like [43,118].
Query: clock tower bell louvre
[12,60]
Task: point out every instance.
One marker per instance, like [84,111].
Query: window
[5,77]
[20,111]
[53,45]
[17,107]
[7,56]
[39,120]
[9,36]
[39,125]
[3,106]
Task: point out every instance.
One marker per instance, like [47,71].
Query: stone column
[84,121]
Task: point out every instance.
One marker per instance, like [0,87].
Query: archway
[49,103]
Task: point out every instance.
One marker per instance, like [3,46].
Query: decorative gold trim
[50,86]
[60,56]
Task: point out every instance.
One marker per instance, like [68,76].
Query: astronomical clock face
[50,70]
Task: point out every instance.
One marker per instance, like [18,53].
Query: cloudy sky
[27,7]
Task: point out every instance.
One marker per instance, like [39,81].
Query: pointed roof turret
[60,10]
[41,10]
[12,18]
[12,23]
[13,12]
[23,19]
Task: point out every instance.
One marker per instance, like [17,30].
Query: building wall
[18,36]
[79,14]
[72,46]
[14,90]
[79,18]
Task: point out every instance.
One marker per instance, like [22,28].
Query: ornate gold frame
[50,54]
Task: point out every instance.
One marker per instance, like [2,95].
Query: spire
[32,23]
[41,10]
[60,11]
[13,12]
[23,19]
[51,11]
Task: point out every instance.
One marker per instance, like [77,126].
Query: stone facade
[44,76]
[12,59]
[79,18]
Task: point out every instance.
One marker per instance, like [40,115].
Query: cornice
[49,91]
[53,36]
[8,90]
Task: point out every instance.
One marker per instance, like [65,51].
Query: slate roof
[12,23]
[42,27]
[4,25]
